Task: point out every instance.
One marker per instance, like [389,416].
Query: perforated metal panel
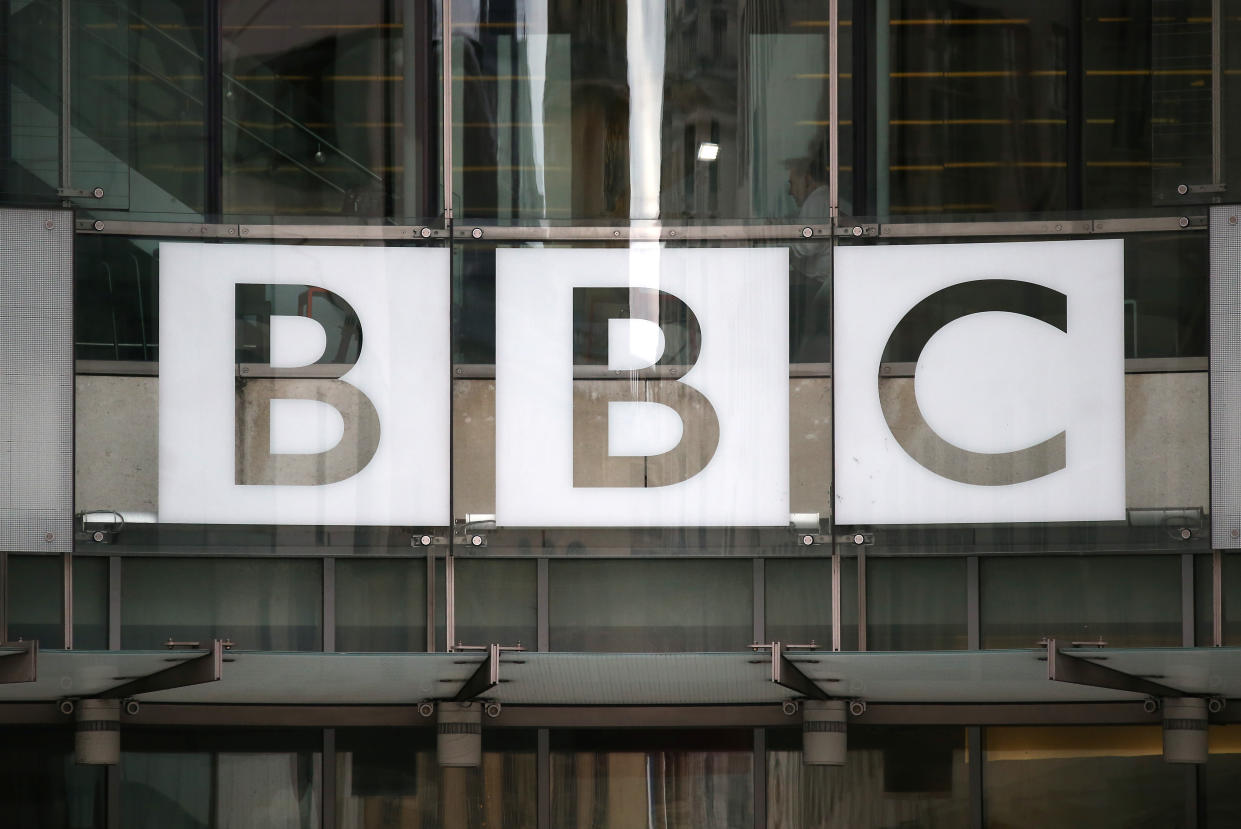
[1226,377]
[36,380]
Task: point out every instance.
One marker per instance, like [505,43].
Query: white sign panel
[721,413]
[1016,412]
[361,437]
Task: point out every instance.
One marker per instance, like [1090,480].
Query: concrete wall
[117,447]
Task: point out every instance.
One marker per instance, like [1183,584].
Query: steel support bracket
[19,662]
[192,670]
[788,675]
[484,678]
[1080,670]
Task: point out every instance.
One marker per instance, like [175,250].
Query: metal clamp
[74,193]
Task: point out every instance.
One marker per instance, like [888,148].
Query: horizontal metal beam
[788,675]
[614,716]
[643,232]
[1078,670]
[484,678]
[200,230]
[193,670]
[19,662]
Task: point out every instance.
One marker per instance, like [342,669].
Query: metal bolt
[857,231]
[672,233]
[97,192]
[1059,227]
[49,537]
[476,540]
[98,225]
[1232,220]
[245,231]
[807,232]
[425,233]
[459,372]
[477,233]
[231,231]
[1236,533]
[1182,189]
[1183,221]
[807,540]
[616,233]
[1186,534]
[97,535]
[425,541]
[49,224]
[858,538]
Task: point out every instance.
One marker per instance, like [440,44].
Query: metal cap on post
[1184,730]
[97,732]
[823,732]
[459,734]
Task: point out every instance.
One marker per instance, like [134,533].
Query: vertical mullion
[67,603]
[760,778]
[446,109]
[4,596]
[430,599]
[835,599]
[760,600]
[329,604]
[973,617]
[833,98]
[327,807]
[541,601]
[1075,114]
[543,780]
[1217,599]
[213,113]
[114,603]
[861,598]
[973,738]
[1187,600]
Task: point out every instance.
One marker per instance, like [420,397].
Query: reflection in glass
[1125,601]
[260,604]
[661,780]
[35,601]
[328,109]
[1222,772]
[497,601]
[798,602]
[640,110]
[650,606]
[915,604]
[390,778]
[187,781]
[41,787]
[381,604]
[1106,776]
[894,776]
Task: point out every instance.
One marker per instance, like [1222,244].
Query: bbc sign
[641,387]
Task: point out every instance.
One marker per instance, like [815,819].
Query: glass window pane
[798,600]
[1125,601]
[615,111]
[633,780]
[650,606]
[330,109]
[195,780]
[1231,573]
[893,776]
[390,777]
[41,787]
[381,604]
[1108,776]
[36,600]
[497,601]
[260,604]
[1222,771]
[915,604]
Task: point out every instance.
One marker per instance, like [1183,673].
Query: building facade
[663,389]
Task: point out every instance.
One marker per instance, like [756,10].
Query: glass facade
[813,328]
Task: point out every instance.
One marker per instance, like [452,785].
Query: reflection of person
[809,285]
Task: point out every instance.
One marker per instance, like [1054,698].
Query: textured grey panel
[36,380]
[1226,377]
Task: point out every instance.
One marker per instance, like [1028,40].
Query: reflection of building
[638,699]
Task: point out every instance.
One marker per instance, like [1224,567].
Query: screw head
[1182,189]
[97,192]
[1183,221]
[476,540]
[1236,533]
[857,231]
[807,232]
[425,541]
[49,224]
[858,538]
[1186,534]
[477,233]
[98,225]
[1232,220]
[807,540]
[97,535]
[425,233]
[49,537]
